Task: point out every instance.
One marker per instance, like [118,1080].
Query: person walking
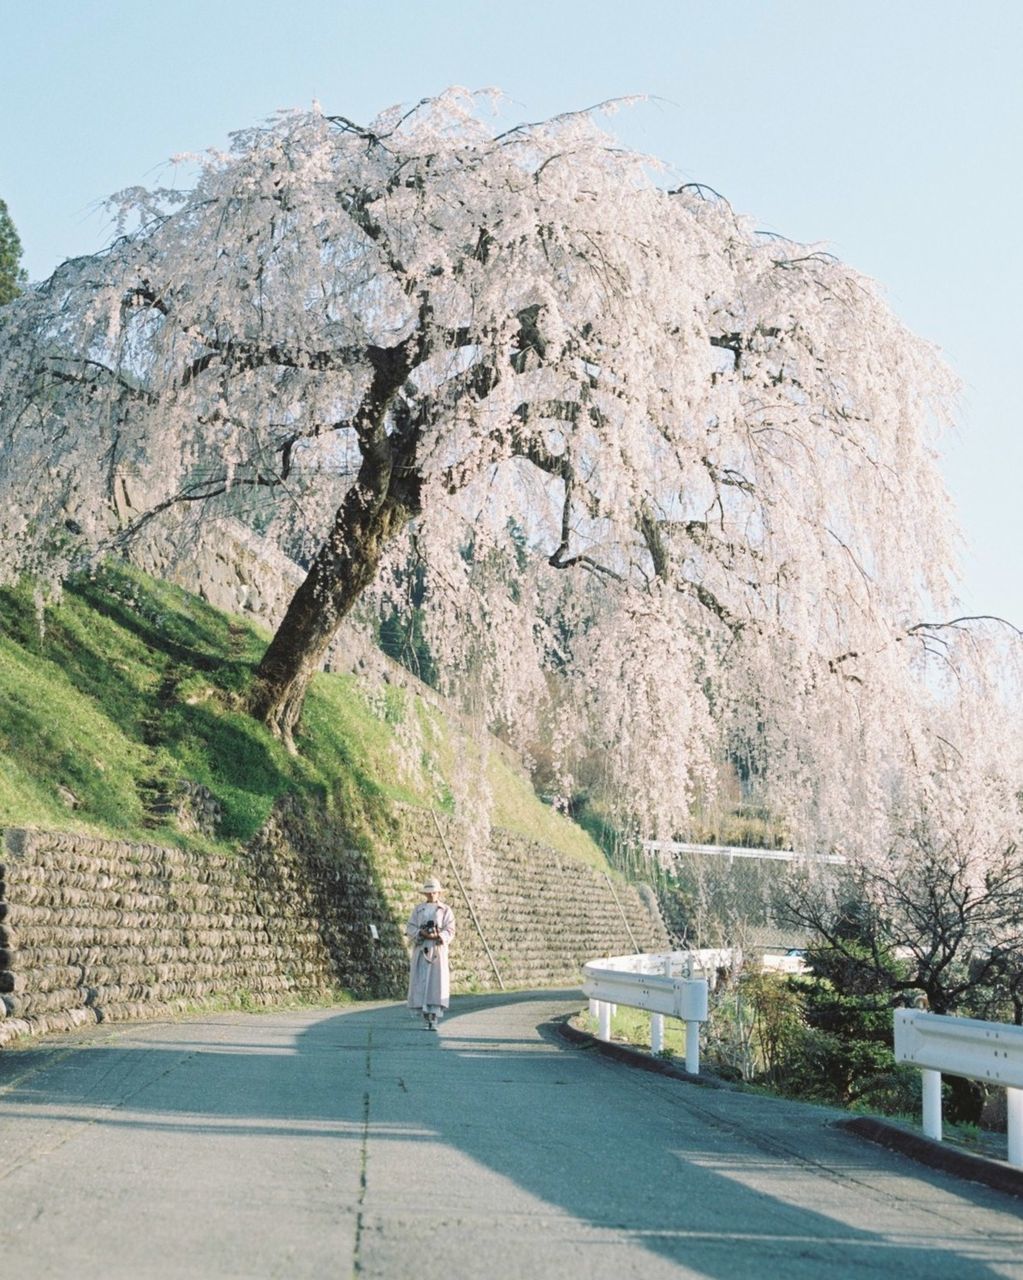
[430,929]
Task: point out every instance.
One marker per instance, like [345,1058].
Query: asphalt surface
[329,1143]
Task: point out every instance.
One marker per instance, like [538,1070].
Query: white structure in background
[792,961]
[650,982]
[991,1052]
[666,849]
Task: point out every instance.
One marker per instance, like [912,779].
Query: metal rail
[472,913]
[742,851]
[991,1052]
[645,982]
[621,912]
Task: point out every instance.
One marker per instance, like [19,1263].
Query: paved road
[329,1144]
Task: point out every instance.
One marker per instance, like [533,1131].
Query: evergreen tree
[12,275]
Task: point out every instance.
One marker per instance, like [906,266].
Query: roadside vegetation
[824,1036]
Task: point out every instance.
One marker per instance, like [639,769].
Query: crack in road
[363,1163]
[73,1127]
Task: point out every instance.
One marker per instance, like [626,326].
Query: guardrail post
[931,1081]
[1014,1099]
[693,1048]
[692,1007]
[657,1019]
[638,985]
[974,1049]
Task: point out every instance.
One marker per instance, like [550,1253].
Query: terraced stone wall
[102,930]
[542,914]
[97,930]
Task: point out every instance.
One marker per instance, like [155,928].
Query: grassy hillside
[129,686]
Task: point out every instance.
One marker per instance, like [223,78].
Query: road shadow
[648,1160]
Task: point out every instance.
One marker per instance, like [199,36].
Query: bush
[805,1039]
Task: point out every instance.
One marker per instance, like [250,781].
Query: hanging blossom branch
[620,426]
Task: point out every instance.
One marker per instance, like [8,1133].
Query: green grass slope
[129,685]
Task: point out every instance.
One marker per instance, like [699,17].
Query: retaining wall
[542,914]
[95,930]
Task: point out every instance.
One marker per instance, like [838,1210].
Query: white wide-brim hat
[431,885]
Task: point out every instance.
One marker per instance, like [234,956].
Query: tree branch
[132,391]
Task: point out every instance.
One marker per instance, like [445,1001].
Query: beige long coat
[429,979]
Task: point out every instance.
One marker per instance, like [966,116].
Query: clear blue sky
[891,129]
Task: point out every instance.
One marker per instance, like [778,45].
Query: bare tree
[937,916]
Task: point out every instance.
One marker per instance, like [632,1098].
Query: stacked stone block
[542,913]
[103,930]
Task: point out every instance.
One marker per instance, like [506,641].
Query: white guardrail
[671,848]
[650,982]
[988,1051]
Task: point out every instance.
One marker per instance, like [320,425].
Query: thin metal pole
[458,878]
[604,1021]
[628,927]
[657,1019]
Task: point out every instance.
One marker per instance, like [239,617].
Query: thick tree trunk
[344,566]
[381,502]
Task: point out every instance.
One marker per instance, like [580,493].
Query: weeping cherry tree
[634,446]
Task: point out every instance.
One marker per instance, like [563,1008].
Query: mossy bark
[377,507]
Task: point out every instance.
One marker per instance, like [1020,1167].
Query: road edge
[630,1055]
[937,1155]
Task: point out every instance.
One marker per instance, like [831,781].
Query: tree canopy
[12,276]
[668,483]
